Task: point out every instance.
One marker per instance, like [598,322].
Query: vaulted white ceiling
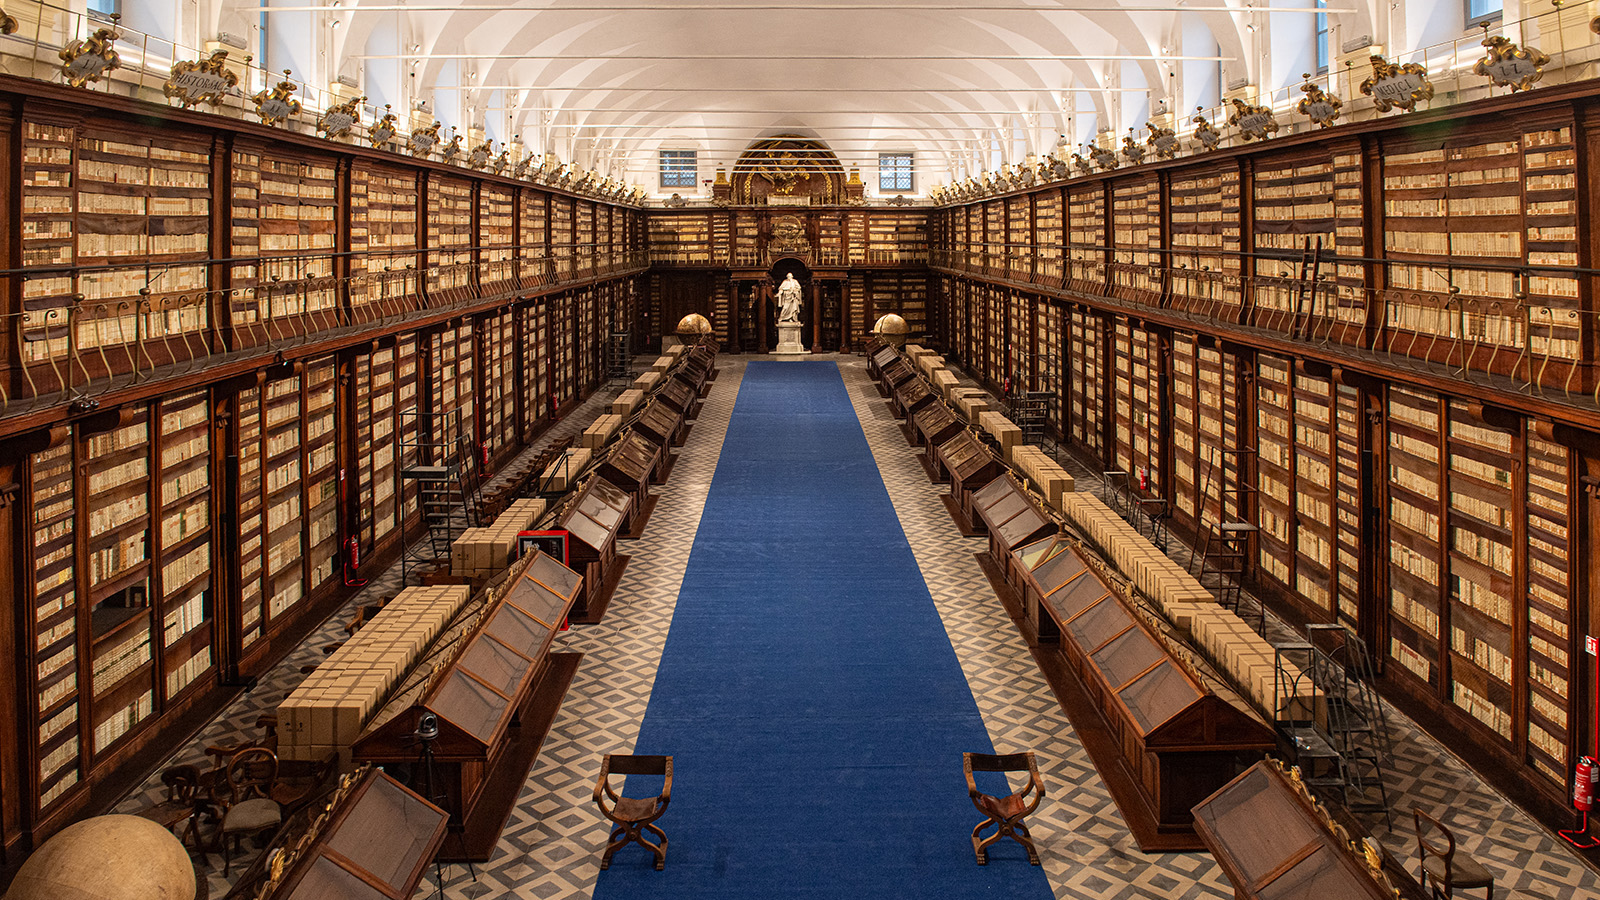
[965,86]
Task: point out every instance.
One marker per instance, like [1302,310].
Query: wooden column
[816,314]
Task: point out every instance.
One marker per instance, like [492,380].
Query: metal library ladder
[448,479]
[1329,718]
[617,357]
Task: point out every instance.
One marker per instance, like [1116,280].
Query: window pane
[677,168]
[1479,9]
[894,172]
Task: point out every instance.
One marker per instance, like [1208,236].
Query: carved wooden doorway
[802,273]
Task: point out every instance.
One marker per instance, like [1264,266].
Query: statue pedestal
[789,341]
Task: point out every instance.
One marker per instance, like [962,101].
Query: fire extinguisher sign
[1591,645]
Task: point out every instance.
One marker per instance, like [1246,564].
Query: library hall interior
[799,449]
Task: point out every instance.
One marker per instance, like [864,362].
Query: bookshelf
[1549,624]
[497,235]
[532,222]
[117,550]
[500,377]
[905,294]
[295,209]
[1049,234]
[1018,231]
[1315,524]
[1350,487]
[583,225]
[49,205]
[1137,395]
[535,368]
[1087,359]
[1414,425]
[558,313]
[1294,204]
[1047,361]
[183,576]
[251,534]
[1550,209]
[588,323]
[283,509]
[451,370]
[383,236]
[1348,302]
[377,446]
[1275,511]
[144,198]
[408,388]
[1185,420]
[562,235]
[54,577]
[1480,584]
[322,477]
[1204,225]
[449,268]
[1135,235]
[1086,236]
[1219,413]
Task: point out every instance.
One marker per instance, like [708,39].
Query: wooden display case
[910,395]
[595,518]
[681,396]
[969,464]
[1165,732]
[1275,842]
[663,424]
[632,463]
[934,424]
[493,688]
[374,842]
[1011,519]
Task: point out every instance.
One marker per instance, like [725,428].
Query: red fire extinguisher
[1144,478]
[1584,780]
[354,563]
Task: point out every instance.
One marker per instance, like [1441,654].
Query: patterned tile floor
[551,844]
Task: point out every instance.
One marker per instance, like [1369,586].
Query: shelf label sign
[1591,645]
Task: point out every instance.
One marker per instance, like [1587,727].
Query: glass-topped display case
[661,423]
[934,424]
[478,685]
[1011,518]
[594,518]
[1166,730]
[632,464]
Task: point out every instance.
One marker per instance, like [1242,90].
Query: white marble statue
[789,299]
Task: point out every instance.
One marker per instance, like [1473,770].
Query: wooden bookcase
[1136,362]
[497,236]
[408,399]
[1049,235]
[1275,469]
[1047,360]
[283,476]
[500,377]
[322,476]
[251,534]
[1415,575]
[1135,236]
[294,221]
[49,204]
[54,576]
[1294,209]
[535,368]
[1351,491]
[117,521]
[1204,227]
[561,235]
[533,263]
[583,225]
[1087,392]
[383,238]
[377,447]
[1316,525]
[1550,625]
[148,199]
[1220,413]
[183,578]
[449,277]
[1185,421]
[452,394]
[1086,236]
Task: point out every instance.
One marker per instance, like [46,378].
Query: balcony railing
[1518,342]
[72,349]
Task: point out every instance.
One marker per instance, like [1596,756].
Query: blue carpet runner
[808,692]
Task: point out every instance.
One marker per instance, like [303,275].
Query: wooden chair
[184,804]
[247,807]
[1005,812]
[634,815]
[1442,867]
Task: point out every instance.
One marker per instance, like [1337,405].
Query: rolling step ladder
[1330,720]
[448,479]
[617,358]
[1226,543]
